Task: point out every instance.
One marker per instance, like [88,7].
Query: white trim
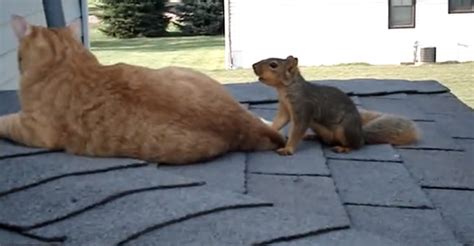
[228,48]
[85,23]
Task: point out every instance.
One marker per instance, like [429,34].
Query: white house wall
[343,31]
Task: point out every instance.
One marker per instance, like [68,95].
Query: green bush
[201,17]
[132,18]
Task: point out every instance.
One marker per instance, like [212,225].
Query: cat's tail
[259,136]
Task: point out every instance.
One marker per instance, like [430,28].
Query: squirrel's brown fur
[327,111]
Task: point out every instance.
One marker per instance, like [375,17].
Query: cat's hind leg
[190,147]
[14,127]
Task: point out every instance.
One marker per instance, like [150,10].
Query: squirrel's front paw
[285,151]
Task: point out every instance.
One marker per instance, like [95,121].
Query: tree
[132,18]
[201,17]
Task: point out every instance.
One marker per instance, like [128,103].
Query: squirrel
[328,111]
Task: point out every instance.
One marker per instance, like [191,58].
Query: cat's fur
[171,115]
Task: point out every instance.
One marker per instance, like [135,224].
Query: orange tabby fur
[171,115]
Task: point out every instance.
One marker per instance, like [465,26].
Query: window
[461,6]
[401,13]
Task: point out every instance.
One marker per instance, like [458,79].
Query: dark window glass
[461,6]
[401,13]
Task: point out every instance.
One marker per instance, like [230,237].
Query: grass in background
[206,53]
[200,52]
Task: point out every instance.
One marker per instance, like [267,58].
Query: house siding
[64,12]
[342,31]
[34,12]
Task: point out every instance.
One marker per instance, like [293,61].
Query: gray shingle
[9,102]
[444,103]
[226,172]
[433,137]
[302,196]
[273,106]
[258,92]
[308,160]
[8,238]
[266,113]
[399,107]
[133,214]
[252,92]
[457,125]
[356,100]
[348,237]
[9,149]
[373,152]
[21,172]
[396,96]
[440,168]
[385,86]
[235,227]
[64,197]
[467,145]
[457,209]
[376,183]
[407,226]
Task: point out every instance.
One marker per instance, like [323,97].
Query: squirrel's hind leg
[336,137]
[325,134]
[347,139]
[342,136]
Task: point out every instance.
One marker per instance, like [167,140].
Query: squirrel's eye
[273,65]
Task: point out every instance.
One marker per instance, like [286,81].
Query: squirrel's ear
[292,58]
[291,68]
[292,63]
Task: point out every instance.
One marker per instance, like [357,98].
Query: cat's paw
[340,149]
[285,151]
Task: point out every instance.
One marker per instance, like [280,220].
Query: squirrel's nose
[254,66]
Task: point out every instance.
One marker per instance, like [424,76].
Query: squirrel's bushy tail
[381,128]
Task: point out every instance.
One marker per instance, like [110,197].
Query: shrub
[132,18]
[201,17]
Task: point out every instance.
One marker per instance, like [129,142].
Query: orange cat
[171,115]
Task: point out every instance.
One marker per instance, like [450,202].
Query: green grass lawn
[206,54]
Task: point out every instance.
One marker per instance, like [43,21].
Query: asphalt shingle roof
[421,194]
